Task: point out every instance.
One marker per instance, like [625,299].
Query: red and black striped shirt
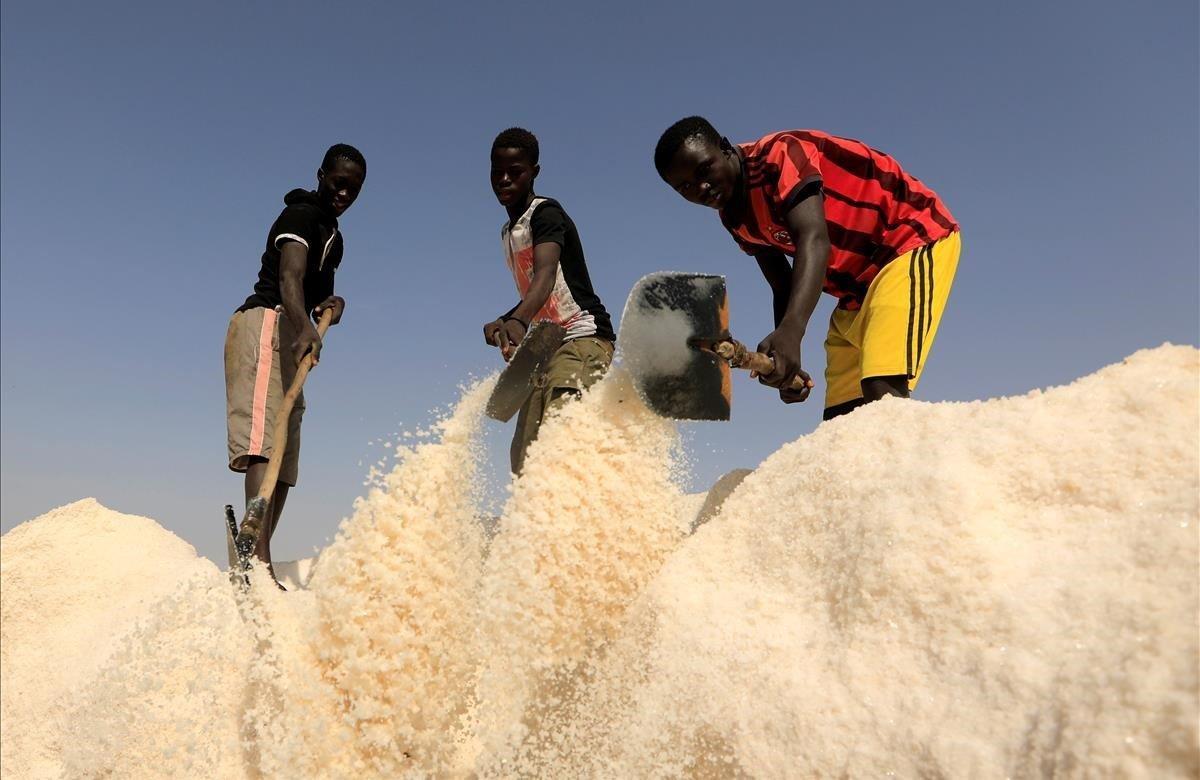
[875,211]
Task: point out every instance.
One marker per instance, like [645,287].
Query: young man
[542,250]
[859,227]
[264,347]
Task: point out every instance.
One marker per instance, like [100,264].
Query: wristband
[508,317]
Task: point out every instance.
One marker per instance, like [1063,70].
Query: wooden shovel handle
[256,507]
[739,357]
[279,440]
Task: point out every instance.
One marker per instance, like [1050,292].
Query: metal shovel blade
[666,314]
[528,362]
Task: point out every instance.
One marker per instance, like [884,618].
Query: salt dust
[661,345]
[589,523]
[999,588]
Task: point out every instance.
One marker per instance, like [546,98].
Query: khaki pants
[257,372]
[577,365]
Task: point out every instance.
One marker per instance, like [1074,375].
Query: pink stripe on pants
[262,380]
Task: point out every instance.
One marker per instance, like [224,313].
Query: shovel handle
[279,440]
[256,507]
[739,357]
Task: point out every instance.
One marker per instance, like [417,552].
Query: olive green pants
[577,365]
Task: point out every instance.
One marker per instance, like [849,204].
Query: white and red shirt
[573,303]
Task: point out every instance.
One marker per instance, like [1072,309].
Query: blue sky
[145,149]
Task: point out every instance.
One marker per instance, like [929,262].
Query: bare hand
[306,341]
[491,332]
[335,302]
[790,395]
[783,345]
[512,333]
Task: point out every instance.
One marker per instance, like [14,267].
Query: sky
[145,149]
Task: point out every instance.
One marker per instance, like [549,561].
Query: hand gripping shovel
[675,343]
[527,364]
[256,508]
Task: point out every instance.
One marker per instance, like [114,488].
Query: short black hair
[518,138]
[343,152]
[680,133]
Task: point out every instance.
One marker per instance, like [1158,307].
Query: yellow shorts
[893,331]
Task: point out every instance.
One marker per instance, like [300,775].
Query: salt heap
[1000,588]
[996,589]
[73,583]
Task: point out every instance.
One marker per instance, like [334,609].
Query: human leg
[902,312]
[843,382]
[576,366]
[254,377]
[892,333]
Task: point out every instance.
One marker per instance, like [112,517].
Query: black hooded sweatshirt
[306,221]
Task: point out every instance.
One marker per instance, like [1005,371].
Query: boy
[263,349]
[543,252]
[858,226]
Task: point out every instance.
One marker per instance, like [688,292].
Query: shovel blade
[528,362]
[666,314]
[231,532]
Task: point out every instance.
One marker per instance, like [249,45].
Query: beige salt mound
[1000,588]
[73,584]
[994,589]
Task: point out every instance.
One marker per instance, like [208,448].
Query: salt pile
[1000,588]
[72,584]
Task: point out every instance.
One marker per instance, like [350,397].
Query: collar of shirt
[735,209]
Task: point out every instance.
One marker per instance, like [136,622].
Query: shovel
[527,364]
[675,343]
[256,508]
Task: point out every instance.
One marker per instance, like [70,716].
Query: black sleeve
[296,223]
[549,225]
[802,191]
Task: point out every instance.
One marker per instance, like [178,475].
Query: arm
[512,327]
[545,271]
[293,260]
[778,273]
[806,223]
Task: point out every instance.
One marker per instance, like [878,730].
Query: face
[512,176]
[704,173]
[338,187]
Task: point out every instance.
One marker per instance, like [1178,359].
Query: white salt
[999,588]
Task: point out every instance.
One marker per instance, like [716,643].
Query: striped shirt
[874,210]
